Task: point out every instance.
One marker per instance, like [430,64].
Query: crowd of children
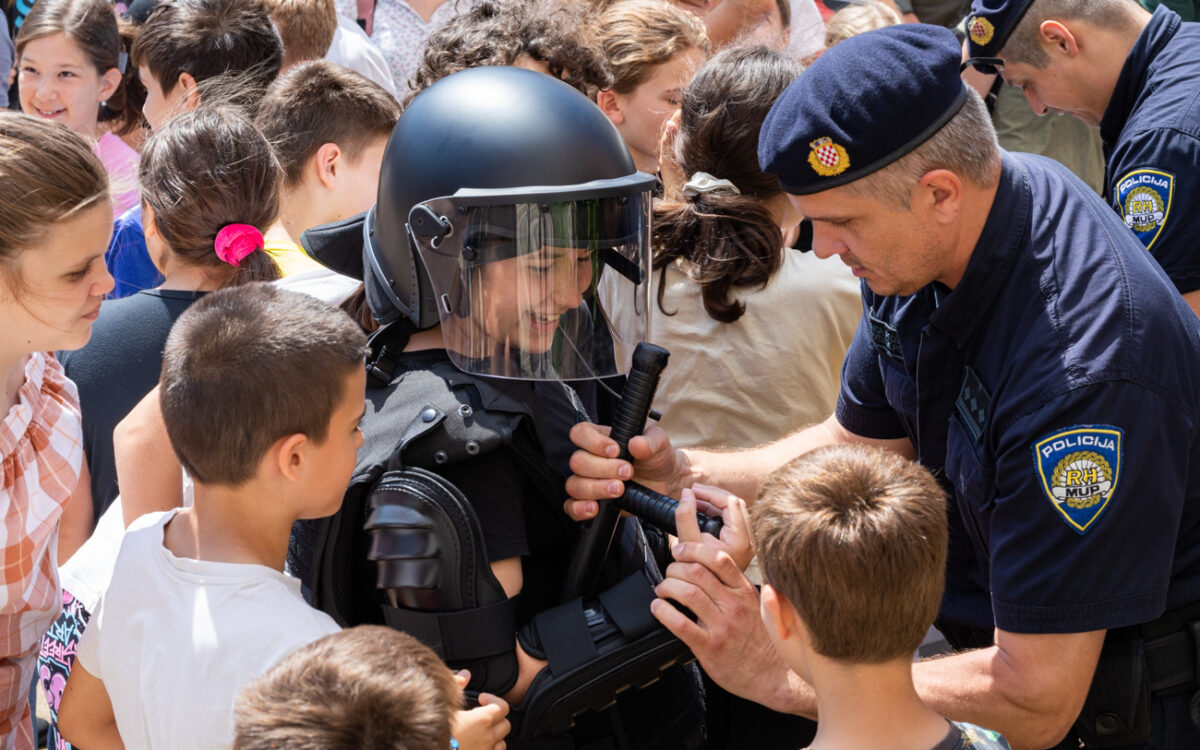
[158,185]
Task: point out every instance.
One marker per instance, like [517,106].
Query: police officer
[1019,342]
[1136,75]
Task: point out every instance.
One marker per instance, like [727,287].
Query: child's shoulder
[142,540]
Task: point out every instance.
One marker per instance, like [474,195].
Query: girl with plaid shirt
[54,230]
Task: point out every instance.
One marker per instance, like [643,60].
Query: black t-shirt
[519,515]
[118,367]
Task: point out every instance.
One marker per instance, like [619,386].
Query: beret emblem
[981,30]
[828,158]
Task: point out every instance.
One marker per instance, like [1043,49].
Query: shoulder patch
[1143,199]
[1078,468]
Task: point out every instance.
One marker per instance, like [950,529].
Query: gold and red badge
[828,158]
[981,30]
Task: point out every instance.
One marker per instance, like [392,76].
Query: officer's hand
[736,539]
[482,728]
[598,472]
[728,636]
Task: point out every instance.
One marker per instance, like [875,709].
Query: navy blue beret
[861,106]
[988,27]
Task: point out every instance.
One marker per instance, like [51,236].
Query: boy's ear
[109,83]
[607,101]
[777,613]
[326,163]
[288,455]
[191,95]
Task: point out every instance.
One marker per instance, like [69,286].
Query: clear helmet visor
[543,290]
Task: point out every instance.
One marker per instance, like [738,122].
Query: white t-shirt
[87,573]
[772,371]
[353,48]
[323,283]
[175,639]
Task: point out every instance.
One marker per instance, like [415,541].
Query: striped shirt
[41,455]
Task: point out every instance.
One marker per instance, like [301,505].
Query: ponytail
[729,241]
[203,172]
[723,228]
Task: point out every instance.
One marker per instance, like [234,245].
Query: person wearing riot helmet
[506,199]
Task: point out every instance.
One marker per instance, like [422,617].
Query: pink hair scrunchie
[235,241]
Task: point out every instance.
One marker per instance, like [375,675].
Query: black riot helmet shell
[496,163]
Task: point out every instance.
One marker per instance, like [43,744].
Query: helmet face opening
[532,286]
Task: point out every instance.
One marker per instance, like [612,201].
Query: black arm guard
[427,543]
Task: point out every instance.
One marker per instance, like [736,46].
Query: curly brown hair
[500,33]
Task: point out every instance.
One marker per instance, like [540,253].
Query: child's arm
[77,520]
[511,577]
[85,717]
[148,471]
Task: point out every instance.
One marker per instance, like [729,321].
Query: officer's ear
[939,194]
[1058,37]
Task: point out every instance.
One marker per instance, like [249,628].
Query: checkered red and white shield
[827,155]
[978,31]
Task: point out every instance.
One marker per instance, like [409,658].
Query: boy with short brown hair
[328,126]
[368,688]
[261,393]
[852,543]
[186,42]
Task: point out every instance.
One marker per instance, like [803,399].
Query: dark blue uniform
[1151,133]
[1056,391]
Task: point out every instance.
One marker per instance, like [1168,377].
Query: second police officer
[1135,75]
[1018,341]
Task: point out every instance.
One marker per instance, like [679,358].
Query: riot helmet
[510,212]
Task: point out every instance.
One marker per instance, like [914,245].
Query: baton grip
[629,421]
[659,509]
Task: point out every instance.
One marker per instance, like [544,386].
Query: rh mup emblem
[1079,468]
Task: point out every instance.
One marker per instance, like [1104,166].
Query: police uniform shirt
[1055,391]
[1151,133]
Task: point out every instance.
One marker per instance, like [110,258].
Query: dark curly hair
[499,32]
[730,239]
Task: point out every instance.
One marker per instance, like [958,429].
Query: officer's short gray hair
[1023,46]
[966,145]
